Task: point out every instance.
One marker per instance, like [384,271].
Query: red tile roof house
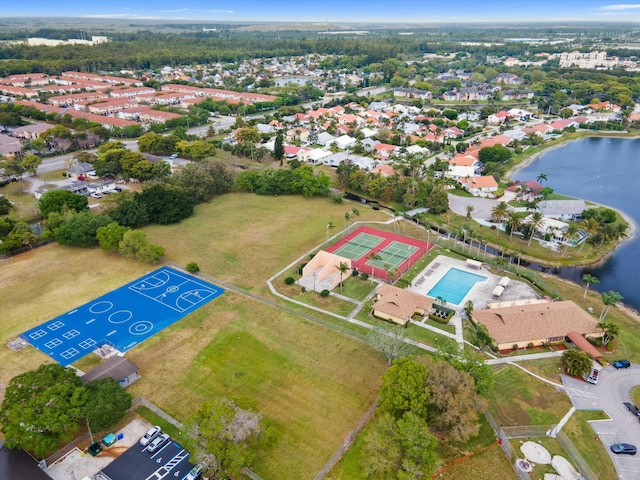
[564,123]
[528,190]
[384,150]
[383,170]
[536,323]
[541,129]
[498,117]
[480,186]
[463,165]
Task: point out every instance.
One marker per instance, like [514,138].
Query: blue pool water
[455,285]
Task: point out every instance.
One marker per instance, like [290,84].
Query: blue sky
[333,11]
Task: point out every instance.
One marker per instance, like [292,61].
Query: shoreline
[527,161]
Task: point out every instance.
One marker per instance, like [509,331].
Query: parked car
[623,363]
[196,472]
[152,433]
[623,449]
[158,442]
[95,195]
[632,408]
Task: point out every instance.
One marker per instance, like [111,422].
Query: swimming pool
[455,285]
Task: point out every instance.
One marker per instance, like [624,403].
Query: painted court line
[124,317]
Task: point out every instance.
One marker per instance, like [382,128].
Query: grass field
[311,384]
[236,237]
[588,444]
[520,399]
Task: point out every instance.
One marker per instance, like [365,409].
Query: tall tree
[400,448]
[42,408]
[224,436]
[342,267]
[107,402]
[535,222]
[389,340]
[514,220]
[453,401]
[542,177]
[61,201]
[403,388]
[610,329]
[278,148]
[499,213]
[589,280]
[576,362]
[609,299]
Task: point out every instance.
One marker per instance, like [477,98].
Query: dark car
[623,363]
[623,449]
[632,408]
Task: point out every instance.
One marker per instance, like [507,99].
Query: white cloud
[194,10]
[123,15]
[621,6]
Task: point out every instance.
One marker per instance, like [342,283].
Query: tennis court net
[363,245]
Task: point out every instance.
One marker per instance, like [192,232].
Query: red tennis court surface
[395,252]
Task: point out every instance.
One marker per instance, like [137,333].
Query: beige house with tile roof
[536,323]
[398,305]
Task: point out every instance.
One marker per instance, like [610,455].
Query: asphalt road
[611,391]
[52,164]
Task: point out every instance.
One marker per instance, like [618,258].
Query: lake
[605,171]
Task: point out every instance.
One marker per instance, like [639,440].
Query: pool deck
[480,294]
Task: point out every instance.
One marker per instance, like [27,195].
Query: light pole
[315,274]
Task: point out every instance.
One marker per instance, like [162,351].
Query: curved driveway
[612,389]
[481,206]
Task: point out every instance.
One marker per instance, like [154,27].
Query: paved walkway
[523,358]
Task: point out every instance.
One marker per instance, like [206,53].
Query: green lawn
[247,248]
[588,444]
[520,399]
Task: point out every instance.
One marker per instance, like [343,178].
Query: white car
[150,435]
[95,195]
[158,442]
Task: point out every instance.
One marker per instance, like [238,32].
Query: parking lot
[138,463]
[609,395]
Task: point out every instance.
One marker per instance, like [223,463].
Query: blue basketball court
[124,317]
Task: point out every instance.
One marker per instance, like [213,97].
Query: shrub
[530,345]
[301,267]
[355,272]
[192,267]
[289,280]
[325,293]
[364,275]
[515,347]
[303,289]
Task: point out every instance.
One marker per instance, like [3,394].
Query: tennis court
[124,317]
[393,255]
[358,246]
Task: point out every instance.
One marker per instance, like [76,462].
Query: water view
[605,171]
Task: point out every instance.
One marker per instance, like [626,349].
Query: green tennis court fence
[363,245]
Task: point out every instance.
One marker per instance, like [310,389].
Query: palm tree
[541,177]
[342,267]
[514,220]
[571,232]
[609,299]
[535,222]
[330,226]
[499,213]
[469,209]
[611,330]
[589,279]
